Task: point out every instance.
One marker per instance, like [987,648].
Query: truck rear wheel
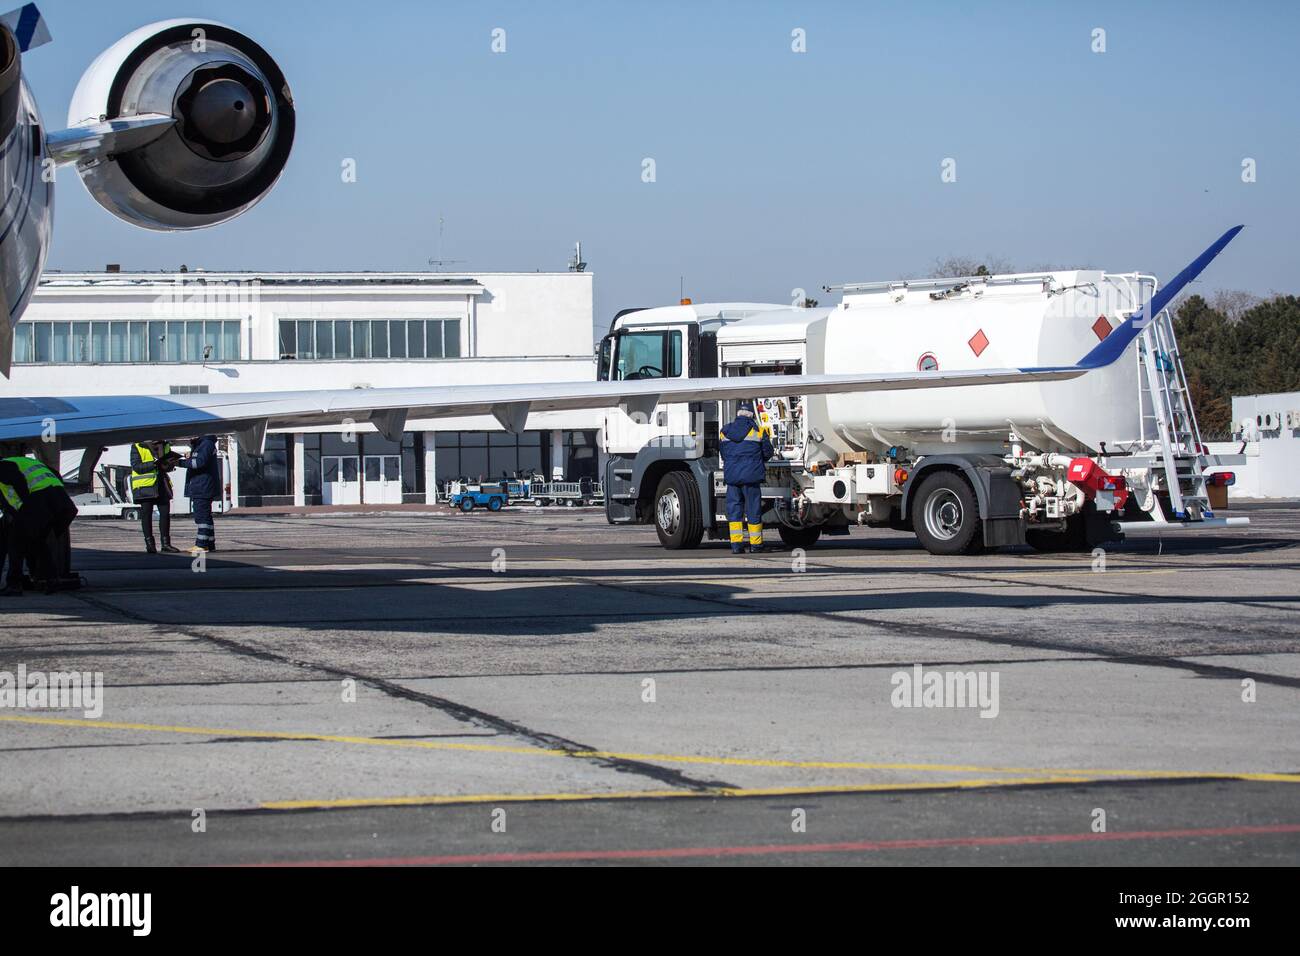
[678,520]
[946,517]
[799,537]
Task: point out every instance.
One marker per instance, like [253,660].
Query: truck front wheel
[946,517]
[799,537]
[677,515]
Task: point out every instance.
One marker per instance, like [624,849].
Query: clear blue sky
[775,170]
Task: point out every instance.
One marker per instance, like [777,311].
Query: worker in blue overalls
[745,449]
[202,487]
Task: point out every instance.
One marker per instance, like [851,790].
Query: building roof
[70,280]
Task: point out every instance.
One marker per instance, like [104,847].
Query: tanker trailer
[1058,465]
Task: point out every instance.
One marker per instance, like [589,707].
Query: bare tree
[1233,303]
[956,266]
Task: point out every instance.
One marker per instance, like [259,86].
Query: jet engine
[231,131]
[10,83]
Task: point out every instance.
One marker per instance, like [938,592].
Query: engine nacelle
[231,139]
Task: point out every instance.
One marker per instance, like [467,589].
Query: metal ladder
[1163,383]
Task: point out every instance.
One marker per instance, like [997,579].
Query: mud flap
[1001,532]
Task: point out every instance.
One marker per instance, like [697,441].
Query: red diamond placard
[1101,328]
[978,342]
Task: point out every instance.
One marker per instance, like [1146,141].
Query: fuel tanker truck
[1057,465]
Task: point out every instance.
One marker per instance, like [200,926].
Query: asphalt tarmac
[537,686]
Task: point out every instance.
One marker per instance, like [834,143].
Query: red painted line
[860,846]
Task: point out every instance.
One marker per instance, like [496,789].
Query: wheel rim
[668,511]
[943,514]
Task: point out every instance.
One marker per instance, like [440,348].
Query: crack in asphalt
[453,709]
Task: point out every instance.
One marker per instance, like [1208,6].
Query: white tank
[1003,322]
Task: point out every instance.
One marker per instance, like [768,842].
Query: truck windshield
[648,355]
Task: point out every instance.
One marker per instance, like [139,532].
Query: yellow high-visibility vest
[36,475]
[146,479]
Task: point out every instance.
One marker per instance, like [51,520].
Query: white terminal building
[1272,421]
[120,333]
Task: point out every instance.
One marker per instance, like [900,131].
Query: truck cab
[662,465]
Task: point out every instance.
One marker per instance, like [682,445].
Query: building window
[267,479]
[489,456]
[103,342]
[311,467]
[288,339]
[580,457]
[370,338]
[23,351]
[306,341]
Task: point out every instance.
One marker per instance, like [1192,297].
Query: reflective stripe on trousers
[744,513]
[205,533]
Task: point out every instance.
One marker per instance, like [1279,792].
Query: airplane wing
[108,420]
[93,142]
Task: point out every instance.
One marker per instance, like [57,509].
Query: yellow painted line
[764,762]
[86,723]
[981,575]
[442,799]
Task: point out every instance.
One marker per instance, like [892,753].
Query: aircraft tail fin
[1113,345]
[28,27]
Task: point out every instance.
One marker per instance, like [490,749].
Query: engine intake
[234,124]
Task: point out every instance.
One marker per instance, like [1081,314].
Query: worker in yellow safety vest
[39,510]
[151,487]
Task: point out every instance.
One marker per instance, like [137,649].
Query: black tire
[494,504]
[799,537]
[946,516]
[676,514]
[467,505]
[131,514]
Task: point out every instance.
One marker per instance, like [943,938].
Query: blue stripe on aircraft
[29,18]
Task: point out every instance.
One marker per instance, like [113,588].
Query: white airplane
[187,123]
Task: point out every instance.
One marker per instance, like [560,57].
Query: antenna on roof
[576,264]
[437,262]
